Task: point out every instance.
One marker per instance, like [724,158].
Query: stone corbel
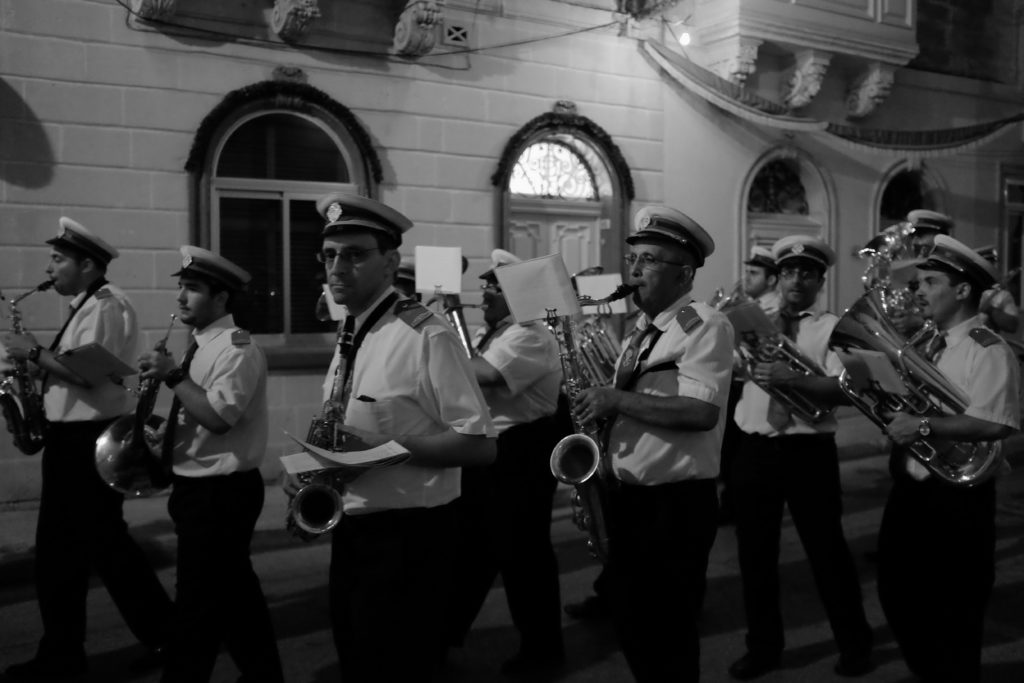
[804,79]
[416,30]
[869,90]
[735,58]
[154,9]
[291,19]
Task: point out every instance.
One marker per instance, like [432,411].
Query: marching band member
[408,381]
[81,526]
[215,439]
[508,505]
[934,533]
[997,308]
[667,412]
[927,224]
[784,460]
[761,279]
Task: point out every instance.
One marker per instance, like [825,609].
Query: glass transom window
[552,170]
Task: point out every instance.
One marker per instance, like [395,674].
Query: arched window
[552,170]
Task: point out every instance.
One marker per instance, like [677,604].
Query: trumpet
[129,452]
[22,402]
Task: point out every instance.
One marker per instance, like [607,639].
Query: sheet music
[390,453]
[439,269]
[532,287]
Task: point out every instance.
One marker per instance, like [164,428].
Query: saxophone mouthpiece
[44,285]
[621,292]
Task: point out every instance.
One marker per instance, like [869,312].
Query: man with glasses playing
[405,378]
[665,417]
[784,460]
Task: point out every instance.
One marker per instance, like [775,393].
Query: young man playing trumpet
[936,564]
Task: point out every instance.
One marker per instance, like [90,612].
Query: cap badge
[186,261]
[645,221]
[798,248]
[334,212]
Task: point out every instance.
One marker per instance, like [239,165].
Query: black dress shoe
[48,669]
[588,609]
[533,663]
[751,666]
[853,666]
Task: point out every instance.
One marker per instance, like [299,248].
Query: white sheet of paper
[296,463]
[390,453]
[532,287]
[337,310]
[876,365]
[439,269]
[598,287]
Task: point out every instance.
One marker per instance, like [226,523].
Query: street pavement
[294,576]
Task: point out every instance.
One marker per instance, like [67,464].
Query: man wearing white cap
[784,460]
[927,225]
[214,442]
[761,279]
[505,509]
[81,527]
[667,415]
[399,374]
[997,307]
[935,535]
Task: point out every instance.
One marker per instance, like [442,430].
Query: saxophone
[577,458]
[22,402]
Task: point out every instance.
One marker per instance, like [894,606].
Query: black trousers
[802,472]
[660,538]
[81,530]
[936,569]
[732,441]
[219,600]
[390,583]
[505,527]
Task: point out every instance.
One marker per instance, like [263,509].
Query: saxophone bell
[316,507]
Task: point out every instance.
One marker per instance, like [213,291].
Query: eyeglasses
[798,273]
[648,262]
[491,287]
[352,256]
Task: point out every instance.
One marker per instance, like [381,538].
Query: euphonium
[881,251]
[129,451]
[865,326]
[576,459]
[22,402]
[720,301]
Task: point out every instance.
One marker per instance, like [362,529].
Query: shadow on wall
[23,143]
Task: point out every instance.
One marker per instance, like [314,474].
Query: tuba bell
[21,400]
[928,393]
[129,451]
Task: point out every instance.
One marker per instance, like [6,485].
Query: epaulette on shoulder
[103,293]
[689,319]
[985,336]
[412,312]
[241,337]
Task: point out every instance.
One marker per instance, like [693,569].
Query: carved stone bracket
[416,30]
[734,58]
[804,79]
[154,9]
[291,19]
[869,90]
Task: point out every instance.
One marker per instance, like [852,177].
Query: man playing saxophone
[81,526]
[783,459]
[505,508]
[667,415]
[404,378]
[936,566]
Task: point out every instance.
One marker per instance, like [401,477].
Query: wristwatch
[175,377]
[33,353]
[924,427]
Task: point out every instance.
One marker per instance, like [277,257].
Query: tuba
[576,459]
[866,326]
[129,456]
[21,400]
[881,251]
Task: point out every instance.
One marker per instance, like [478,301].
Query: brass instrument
[576,459]
[721,301]
[21,400]
[129,456]
[768,348]
[929,393]
[453,314]
[892,244]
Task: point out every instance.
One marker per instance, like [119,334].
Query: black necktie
[167,452]
[486,338]
[631,356]
[935,347]
[779,416]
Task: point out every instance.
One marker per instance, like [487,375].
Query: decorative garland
[572,124]
[288,95]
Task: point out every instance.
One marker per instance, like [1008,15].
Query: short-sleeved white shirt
[108,319]
[232,370]
[812,337]
[696,364]
[409,380]
[527,358]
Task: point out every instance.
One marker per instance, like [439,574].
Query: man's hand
[18,345]
[776,372]
[361,440]
[903,429]
[156,364]
[595,403]
[290,484]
